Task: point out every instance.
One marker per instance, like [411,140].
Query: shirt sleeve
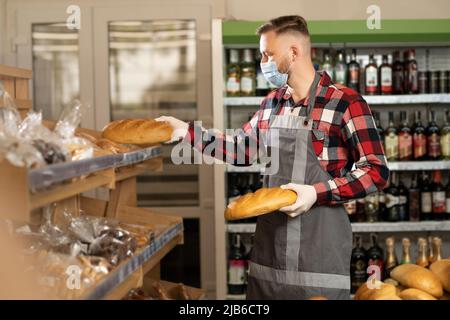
[363,142]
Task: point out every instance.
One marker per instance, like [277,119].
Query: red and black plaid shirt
[350,137]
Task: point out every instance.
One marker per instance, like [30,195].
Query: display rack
[24,192]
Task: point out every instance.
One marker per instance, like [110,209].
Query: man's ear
[295,53]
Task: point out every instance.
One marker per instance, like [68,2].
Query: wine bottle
[353,70]
[340,69]
[385,76]
[371,76]
[445,138]
[398,74]
[403,214]
[358,265]
[406,257]
[426,206]
[438,197]
[391,140]
[391,257]
[422,259]
[437,243]
[236,266]
[419,138]
[411,73]
[433,138]
[375,256]
[327,64]
[405,139]
[392,199]
[414,199]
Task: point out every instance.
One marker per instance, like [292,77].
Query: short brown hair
[285,24]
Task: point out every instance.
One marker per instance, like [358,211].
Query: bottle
[447,201]
[406,258]
[315,59]
[380,130]
[425,199]
[371,76]
[411,73]
[360,214]
[382,204]
[247,259]
[430,252]
[350,208]
[422,259]
[437,243]
[391,257]
[398,74]
[358,265]
[353,72]
[327,64]
[233,191]
[391,140]
[375,256]
[340,69]
[419,138]
[438,197]
[392,199]
[248,74]
[385,76]
[262,85]
[405,139]
[236,266]
[445,138]
[423,82]
[414,199]
[371,207]
[233,82]
[433,138]
[402,201]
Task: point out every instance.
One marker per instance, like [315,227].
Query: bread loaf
[385,291]
[415,294]
[414,276]
[441,269]
[264,200]
[138,131]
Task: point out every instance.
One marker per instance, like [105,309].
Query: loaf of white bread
[441,269]
[264,200]
[414,276]
[378,291]
[415,294]
[138,131]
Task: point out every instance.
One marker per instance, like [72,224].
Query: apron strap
[312,94]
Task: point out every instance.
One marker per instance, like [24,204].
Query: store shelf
[388,99]
[366,226]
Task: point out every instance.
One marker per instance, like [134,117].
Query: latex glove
[180,128]
[306,197]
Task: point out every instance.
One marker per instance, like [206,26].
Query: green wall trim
[325,31]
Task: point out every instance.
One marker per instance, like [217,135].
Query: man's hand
[180,128]
[306,197]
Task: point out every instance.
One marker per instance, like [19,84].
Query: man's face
[274,49]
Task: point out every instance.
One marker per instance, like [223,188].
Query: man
[323,129]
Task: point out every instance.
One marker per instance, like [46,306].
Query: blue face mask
[271,73]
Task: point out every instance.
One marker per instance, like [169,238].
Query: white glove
[180,128]
[306,197]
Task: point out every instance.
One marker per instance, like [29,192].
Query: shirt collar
[324,81]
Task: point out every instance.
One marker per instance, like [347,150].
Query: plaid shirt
[350,137]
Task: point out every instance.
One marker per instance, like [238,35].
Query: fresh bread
[318,298]
[138,131]
[441,269]
[415,294]
[385,291]
[414,276]
[264,200]
[111,146]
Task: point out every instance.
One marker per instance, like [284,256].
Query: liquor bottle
[340,69]
[392,199]
[327,64]
[233,82]
[358,265]
[360,214]
[405,139]
[353,71]
[437,243]
[414,199]
[398,74]
[391,140]
[248,74]
[445,138]
[385,76]
[236,266]
[406,258]
[350,208]
[375,256]
[315,59]
[438,197]
[382,204]
[402,201]
[425,199]
[391,257]
[371,76]
[380,129]
[447,200]
[419,138]
[411,73]
[422,259]
[430,252]
[247,259]
[433,138]
[262,85]
[371,207]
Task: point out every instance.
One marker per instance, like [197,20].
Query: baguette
[441,269]
[414,276]
[138,131]
[415,294]
[264,200]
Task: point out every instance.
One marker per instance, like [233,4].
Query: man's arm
[364,145]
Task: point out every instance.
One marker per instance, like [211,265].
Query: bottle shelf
[378,99]
[407,226]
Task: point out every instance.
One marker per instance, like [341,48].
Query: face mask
[271,73]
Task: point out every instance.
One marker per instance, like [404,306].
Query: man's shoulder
[345,96]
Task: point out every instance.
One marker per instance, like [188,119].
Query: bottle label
[426,202]
[391,142]
[445,145]
[236,272]
[233,85]
[391,200]
[434,145]
[386,80]
[247,84]
[438,201]
[354,75]
[420,145]
[340,75]
[405,146]
[371,79]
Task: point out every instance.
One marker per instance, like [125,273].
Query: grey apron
[309,255]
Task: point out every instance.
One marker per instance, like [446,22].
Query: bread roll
[441,269]
[414,276]
[385,292]
[138,131]
[415,294]
[263,201]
